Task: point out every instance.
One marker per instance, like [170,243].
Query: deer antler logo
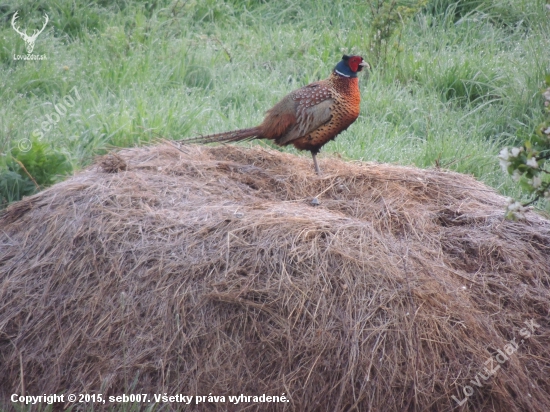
[29,40]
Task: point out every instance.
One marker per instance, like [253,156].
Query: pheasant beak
[363,64]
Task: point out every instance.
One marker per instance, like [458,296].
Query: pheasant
[308,117]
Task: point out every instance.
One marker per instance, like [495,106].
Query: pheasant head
[350,65]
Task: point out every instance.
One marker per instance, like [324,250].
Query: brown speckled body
[315,114]
[344,111]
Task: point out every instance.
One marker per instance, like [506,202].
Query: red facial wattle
[354,62]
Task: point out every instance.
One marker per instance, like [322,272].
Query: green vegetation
[452,82]
[528,163]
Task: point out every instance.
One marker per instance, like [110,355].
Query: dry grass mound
[209,271]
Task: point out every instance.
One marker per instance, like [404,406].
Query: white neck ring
[341,74]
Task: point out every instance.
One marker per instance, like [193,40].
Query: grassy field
[455,83]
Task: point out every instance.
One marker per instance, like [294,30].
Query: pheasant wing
[313,109]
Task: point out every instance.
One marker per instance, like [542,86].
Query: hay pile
[210,272]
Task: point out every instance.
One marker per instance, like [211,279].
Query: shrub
[527,163]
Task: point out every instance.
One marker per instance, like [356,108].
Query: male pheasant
[308,117]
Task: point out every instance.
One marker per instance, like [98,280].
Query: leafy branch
[528,164]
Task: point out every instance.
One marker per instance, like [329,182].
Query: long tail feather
[232,136]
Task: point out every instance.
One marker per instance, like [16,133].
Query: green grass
[461,81]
